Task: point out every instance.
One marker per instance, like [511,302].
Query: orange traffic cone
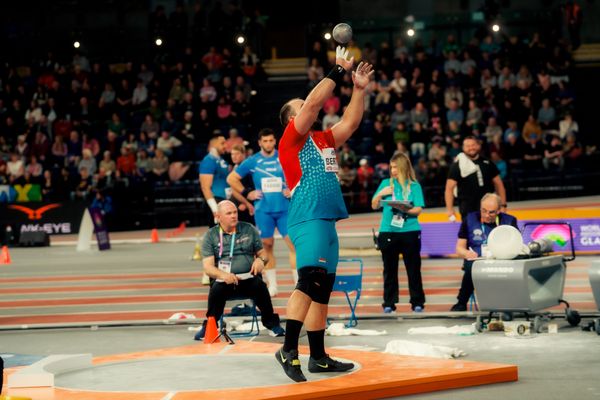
[211,335]
[177,231]
[154,236]
[5,255]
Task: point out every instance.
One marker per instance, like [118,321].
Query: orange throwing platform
[380,375]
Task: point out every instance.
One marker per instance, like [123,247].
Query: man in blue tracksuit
[213,173]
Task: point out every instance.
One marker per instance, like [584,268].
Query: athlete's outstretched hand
[362,75]
[341,58]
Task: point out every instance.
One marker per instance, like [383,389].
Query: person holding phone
[401,197]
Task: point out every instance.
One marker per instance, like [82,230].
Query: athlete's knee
[316,283]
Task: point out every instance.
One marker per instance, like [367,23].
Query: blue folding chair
[473,306]
[249,310]
[348,284]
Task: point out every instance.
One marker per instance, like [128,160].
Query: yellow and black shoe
[328,364]
[291,364]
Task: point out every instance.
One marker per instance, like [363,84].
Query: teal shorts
[316,243]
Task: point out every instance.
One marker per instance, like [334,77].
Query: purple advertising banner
[100,228]
[439,238]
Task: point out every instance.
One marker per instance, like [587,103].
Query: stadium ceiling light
[158,42]
[76,44]
[240,39]
[496,28]
[410,32]
[327,36]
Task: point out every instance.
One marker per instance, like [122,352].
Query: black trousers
[408,244]
[254,288]
[466,287]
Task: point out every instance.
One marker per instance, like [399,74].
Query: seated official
[234,258]
[472,240]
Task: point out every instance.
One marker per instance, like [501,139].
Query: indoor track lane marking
[82,277]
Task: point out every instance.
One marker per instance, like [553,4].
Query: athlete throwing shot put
[309,163]
[271,199]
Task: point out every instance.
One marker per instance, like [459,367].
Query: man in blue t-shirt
[271,199]
[213,176]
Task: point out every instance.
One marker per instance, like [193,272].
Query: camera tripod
[224,334]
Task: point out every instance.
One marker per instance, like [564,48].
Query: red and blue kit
[310,167]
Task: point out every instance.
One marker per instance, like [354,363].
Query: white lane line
[169,396]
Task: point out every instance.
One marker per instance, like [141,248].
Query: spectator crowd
[82,128]
[513,93]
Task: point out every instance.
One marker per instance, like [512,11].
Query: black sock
[292,333]
[316,341]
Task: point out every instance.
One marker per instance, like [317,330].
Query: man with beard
[213,175]
[308,159]
[271,198]
[472,176]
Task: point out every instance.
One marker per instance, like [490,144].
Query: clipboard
[398,204]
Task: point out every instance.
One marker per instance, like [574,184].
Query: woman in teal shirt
[400,233]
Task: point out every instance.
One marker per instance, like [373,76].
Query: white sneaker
[205,279]
[273,291]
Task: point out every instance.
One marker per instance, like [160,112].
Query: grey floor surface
[565,365]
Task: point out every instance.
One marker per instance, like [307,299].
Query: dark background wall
[115,28]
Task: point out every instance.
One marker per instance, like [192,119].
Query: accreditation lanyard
[483,229]
[398,218]
[221,243]
[404,195]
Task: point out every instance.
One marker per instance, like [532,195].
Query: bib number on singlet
[329,160]
[271,185]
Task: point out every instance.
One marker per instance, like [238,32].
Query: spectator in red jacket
[126,162]
[365,175]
